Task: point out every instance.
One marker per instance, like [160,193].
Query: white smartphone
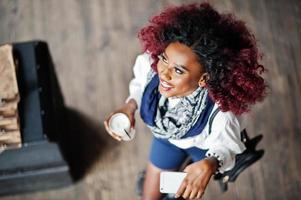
[170,182]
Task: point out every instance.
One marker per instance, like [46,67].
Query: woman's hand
[129,109]
[197,178]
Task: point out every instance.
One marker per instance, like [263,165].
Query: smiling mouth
[165,86]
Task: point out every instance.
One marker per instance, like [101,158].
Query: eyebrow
[179,66]
[182,67]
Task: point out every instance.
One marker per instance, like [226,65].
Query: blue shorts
[166,155]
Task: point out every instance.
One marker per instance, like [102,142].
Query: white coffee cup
[120,124]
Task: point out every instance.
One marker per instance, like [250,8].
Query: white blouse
[223,142]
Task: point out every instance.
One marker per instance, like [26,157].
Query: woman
[197,65]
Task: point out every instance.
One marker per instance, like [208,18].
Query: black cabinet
[39,164]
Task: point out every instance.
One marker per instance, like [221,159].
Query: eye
[178,71]
[163,58]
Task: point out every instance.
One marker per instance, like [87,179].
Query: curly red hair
[224,46]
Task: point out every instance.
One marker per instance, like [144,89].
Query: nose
[165,73]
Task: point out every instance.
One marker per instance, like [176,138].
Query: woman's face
[179,71]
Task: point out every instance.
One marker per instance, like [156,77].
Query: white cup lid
[121,125]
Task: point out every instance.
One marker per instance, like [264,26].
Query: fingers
[116,137]
[187,192]
[199,195]
[190,189]
[193,194]
[182,188]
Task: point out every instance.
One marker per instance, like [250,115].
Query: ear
[203,80]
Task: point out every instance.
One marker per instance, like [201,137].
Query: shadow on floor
[83,142]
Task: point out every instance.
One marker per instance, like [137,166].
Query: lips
[165,86]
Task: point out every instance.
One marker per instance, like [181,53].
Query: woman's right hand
[129,109]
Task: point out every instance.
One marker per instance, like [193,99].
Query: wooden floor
[94,44]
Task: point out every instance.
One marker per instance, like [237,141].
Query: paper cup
[120,124]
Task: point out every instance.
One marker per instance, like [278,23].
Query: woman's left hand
[197,178]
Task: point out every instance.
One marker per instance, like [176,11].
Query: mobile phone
[170,182]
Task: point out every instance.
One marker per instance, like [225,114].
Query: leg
[163,156]
[151,184]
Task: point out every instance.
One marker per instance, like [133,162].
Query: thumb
[133,122]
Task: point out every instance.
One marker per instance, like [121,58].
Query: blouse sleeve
[224,141]
[136,86]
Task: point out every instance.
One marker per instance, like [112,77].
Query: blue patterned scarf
[185,119]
